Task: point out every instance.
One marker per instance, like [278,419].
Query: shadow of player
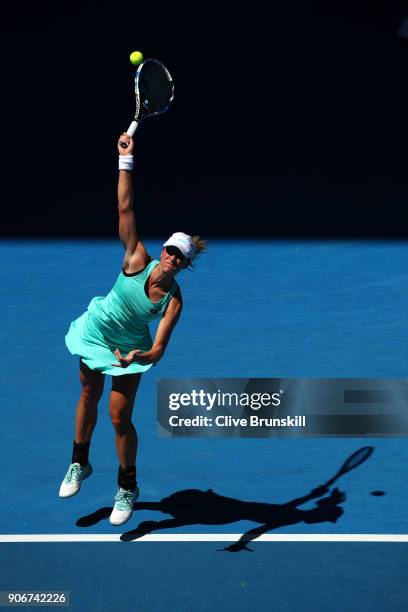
[192,506]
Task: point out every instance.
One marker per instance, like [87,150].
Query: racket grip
[131,130]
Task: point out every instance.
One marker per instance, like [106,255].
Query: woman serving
[118,326]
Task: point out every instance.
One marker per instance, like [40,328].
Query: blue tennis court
[251,309]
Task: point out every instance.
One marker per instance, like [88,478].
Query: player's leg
[124,389]
[92,383]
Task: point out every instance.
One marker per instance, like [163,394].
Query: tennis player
[113,337]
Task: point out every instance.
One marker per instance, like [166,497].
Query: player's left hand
[136,356]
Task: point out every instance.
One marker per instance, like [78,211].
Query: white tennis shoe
[73,479]
[123,508]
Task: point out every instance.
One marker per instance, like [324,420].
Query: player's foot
[123,508]
[73,479]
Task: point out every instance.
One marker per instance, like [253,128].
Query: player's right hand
[129,140]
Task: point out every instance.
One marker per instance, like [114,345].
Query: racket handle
[335,477]
[131,130]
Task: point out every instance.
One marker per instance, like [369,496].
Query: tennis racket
[352,462]
[154,91]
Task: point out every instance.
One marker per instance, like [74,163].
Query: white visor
[183,242]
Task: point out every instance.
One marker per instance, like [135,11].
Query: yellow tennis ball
[136,58]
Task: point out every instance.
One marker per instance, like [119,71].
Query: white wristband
[125,162]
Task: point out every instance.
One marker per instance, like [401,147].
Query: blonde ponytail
[200,246]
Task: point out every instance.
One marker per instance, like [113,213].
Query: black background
[290,119]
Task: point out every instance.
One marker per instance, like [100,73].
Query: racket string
[358,457]
[156,88]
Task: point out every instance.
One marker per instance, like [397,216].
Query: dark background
[290,119]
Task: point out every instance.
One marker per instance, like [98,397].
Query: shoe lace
[74,473]
[124,500]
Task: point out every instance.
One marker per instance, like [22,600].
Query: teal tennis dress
[119,320]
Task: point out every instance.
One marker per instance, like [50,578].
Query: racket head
[356,459]
[154,89]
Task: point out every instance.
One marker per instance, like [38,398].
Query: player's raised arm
[136,255]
